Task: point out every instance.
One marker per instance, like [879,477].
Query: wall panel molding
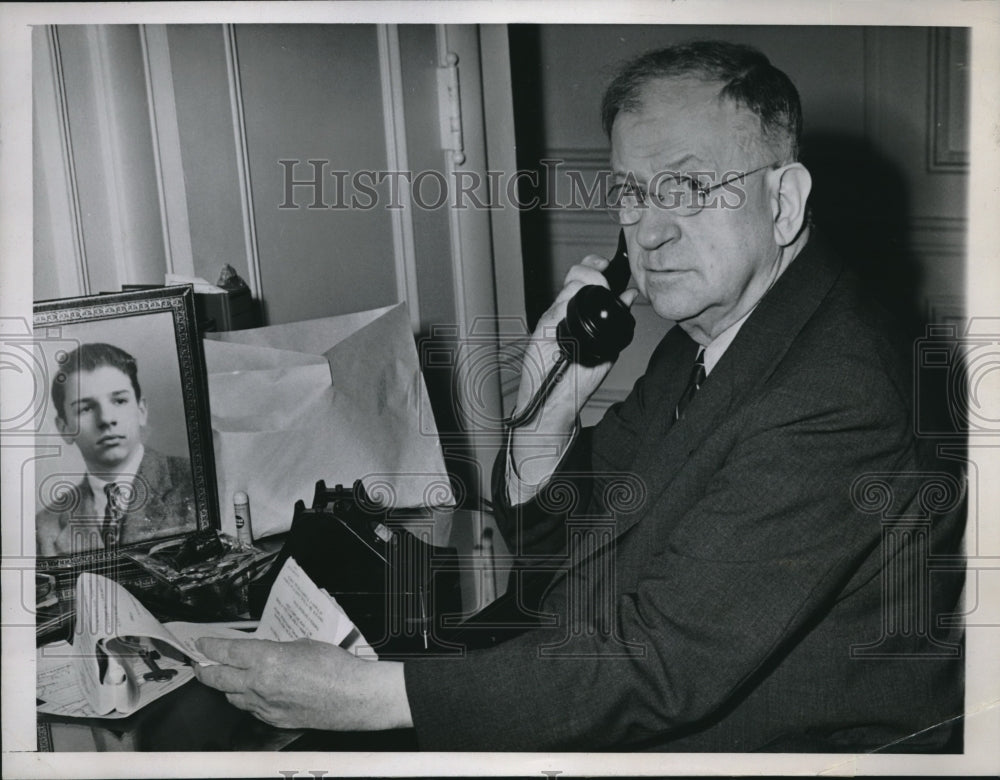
[110,140]
[243,164]
[471,239]
[404,249]
[581,157]
[948,101]
[166,149]
[469,229]
[873,43]
[945,232]
[55,154]
[501,152]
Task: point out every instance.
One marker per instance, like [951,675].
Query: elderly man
[736,600]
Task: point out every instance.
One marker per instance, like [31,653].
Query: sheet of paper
[189,633]
[297,608]
[60,693]
[58,686]
[106,610]
[69,677]
[337,398]
[116,691]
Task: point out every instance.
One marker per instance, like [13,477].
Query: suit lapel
[671,376]
[145,501]
[763,340]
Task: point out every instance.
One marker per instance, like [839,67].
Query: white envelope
[338,398]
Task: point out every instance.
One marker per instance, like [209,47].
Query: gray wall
[309,92]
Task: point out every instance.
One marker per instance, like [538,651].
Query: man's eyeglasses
[679,194]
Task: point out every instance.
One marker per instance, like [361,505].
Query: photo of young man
[130,492]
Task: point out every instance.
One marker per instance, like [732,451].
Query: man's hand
[579,381]
[536,450]
[307,684]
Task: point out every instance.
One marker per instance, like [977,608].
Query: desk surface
[191,718]
[195,717]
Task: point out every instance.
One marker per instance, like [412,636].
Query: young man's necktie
[694,384]
[114,514]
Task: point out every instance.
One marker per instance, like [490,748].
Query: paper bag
[338,398]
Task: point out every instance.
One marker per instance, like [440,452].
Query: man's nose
[106,416]
[658,225]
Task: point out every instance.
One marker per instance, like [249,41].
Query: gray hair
[747,77]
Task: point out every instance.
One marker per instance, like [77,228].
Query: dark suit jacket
[724,582]
[162,503]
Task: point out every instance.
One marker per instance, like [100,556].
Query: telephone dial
[597,327]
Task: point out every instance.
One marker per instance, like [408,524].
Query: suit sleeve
[762,553]
[532,529]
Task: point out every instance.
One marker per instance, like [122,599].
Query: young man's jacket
[720,579]
[162,501]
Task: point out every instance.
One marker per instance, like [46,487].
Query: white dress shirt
[125,477]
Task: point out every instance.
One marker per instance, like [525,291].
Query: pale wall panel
[432,242]
[208,148]
[99,141]
[312,92]
[112,149]
[128,156]
[57,247]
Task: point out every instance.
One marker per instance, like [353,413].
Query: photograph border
[980,290]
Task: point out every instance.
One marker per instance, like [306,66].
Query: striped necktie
[114,514]
[695,381]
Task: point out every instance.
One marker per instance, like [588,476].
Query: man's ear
[788,202]
[143,412]
[67,434]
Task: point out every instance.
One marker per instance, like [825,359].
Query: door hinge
[450,108]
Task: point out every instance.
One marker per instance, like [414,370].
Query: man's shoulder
[852,333]
[846,364]
[64,500]
[49,515]
[159,468]
[57,513]
[820,339]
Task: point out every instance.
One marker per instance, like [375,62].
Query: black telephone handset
[598,326]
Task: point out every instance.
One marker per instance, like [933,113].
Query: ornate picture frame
[124,389]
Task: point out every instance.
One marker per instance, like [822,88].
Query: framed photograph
[124,455]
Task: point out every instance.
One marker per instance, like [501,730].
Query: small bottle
[241,505]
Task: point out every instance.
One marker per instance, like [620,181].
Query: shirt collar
[125,477]
[718,346]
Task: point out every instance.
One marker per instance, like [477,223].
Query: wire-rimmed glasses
[678,193]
